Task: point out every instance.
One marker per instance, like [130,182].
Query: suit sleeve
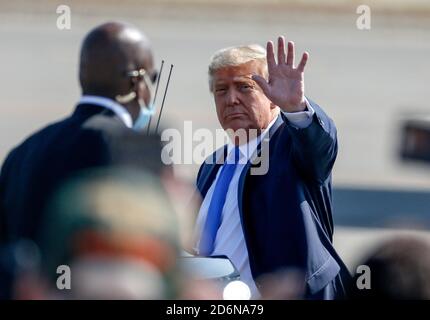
[314,147]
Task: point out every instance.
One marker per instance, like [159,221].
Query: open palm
[285,87]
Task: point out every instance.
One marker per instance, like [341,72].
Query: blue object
[213,220]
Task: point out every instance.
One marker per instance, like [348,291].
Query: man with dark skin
[107,53]
[116,74]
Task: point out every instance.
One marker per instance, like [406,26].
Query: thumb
[262,83]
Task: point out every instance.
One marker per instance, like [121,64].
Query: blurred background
[371,82]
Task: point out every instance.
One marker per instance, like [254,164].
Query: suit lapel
[210,170]
[248,165]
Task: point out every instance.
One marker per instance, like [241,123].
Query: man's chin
[238,131]
[237,127]
[236,124]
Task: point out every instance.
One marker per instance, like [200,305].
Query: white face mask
[144,116]
[145,113]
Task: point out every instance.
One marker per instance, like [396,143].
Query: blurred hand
[286,86]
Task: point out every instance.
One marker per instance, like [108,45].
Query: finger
[281,50]
[262,83]
[302,64]
[290,56]
[270,56]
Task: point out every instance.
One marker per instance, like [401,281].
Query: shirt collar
[110,104]
[248,149]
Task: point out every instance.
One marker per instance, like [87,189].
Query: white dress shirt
[229,240]
[110,104]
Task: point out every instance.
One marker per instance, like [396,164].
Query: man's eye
[220,90]
[246,87]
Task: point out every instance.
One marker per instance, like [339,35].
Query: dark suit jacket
[286,214]
[91,137]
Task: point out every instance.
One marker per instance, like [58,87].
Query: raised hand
[286,86]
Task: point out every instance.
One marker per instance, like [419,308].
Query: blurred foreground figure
[399,269]
[116,232]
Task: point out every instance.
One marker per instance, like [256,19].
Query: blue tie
[213,220]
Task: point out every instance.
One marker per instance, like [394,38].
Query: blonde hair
[234,56]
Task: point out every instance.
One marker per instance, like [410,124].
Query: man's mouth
[235,115]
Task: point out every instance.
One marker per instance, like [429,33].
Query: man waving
[282,219]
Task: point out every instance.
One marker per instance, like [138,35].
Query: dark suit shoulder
[33,140]
[43,132]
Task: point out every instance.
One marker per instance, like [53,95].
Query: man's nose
[232,97]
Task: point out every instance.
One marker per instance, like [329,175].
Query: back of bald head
[107,52]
